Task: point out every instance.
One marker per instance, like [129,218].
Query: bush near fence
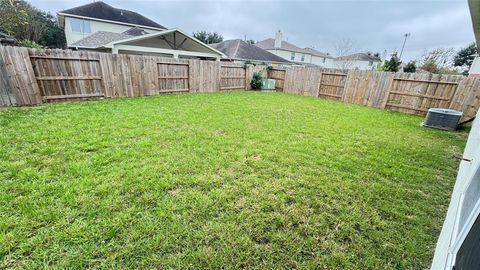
[33,76]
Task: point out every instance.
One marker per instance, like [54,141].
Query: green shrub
[410,67]
[29,44]
[256,82]
[393,64]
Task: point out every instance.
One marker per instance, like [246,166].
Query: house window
[293,56]
[370,63]
[323,60]
[303,57]
[80,26]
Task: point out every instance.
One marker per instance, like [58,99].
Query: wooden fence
[412,93]
[33,76]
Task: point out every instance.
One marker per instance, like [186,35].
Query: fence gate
[417,96]
[332,85]
[279,76]
[232,77]
[173,77]
[67,77]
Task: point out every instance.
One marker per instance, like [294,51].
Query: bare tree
[344,47]
[439,60]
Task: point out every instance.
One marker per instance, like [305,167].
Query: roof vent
[442,118]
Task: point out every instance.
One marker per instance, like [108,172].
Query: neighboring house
[293,53]
[240,51]
[362,61]
[5,39]
[101,27]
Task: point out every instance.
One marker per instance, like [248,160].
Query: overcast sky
[372,25]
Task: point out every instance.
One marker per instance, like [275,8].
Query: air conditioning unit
[442,118]
[268,84]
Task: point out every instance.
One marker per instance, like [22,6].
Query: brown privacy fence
[412,93]
[33,76]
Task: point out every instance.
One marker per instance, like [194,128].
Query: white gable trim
[174,53]
[152,35]
[109,21]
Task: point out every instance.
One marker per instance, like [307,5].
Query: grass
[221,180]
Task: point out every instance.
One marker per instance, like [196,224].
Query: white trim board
[109,21]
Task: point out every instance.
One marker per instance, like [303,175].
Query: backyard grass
[221,180]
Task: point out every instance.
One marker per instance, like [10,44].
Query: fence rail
[412,93]
[33,76]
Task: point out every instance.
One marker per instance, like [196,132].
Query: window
[303,57]
[293,56]
[80,26]
[323,60]
[370,63]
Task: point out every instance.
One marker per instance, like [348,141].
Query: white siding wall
[284,54]
[96,26]
[464,194]
[357,64]
[309,59]
[323,61]
[327,63]
[475,68]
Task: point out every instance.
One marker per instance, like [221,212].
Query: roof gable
[102,11]
[239,49]
[269,44]
[360,57]
[188,40]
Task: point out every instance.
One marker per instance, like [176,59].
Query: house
[363,61]
[239,51]
[5,39]
[100,27]
[475,15]
[293,53]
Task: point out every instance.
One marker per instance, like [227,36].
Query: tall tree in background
[13,16]
[439,61]
[410,67]
[393,64]
[208,37]
[344,47]
[464,58]
[25,22]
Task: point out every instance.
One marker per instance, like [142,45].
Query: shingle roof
[99,39]
[239,49]
[360,56]
[135,31]
[269,44]
[100,10]
[312,51]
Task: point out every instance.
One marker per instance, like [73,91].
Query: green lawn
[221,180]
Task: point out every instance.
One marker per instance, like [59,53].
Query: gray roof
[360,57]
[269,44]
[312,51]
[239,49]
[100,10]
[99,39]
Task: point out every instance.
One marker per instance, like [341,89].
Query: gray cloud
[371,25]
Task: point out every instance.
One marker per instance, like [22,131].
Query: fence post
[248,76]
[387,93]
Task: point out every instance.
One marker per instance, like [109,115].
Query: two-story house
[363,61]
[293,53]
[100,27]
[310,56]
